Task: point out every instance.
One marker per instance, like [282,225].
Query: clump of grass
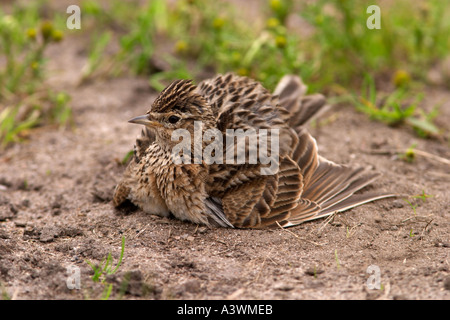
[423,124]
[106,268]
[11,128]
[393,109]
[25,101]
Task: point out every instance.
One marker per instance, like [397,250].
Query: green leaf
[421,124]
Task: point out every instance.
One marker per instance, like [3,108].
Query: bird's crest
[177,95]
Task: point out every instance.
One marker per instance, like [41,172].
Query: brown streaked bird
[305,187]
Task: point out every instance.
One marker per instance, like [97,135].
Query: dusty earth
[56,214]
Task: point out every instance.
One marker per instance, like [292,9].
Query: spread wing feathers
[328,179]
[331,189]
[238,203]
[305,154]
[353,201]
[291,92]
[261,200]
[288,193]
[306,186]
[308,210]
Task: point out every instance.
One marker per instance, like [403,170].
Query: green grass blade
[121,256]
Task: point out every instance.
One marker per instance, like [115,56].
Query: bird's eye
[173,119]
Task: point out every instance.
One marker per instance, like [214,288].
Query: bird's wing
[291,93]
[252,200]
[327,187]
[307,185]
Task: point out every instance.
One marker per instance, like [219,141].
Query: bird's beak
[144,120]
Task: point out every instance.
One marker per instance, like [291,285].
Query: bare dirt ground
[56,212]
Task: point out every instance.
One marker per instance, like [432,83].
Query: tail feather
[291,92]
[328,180]
[305,211]
[331,188]
[305,154]
[310,107]
[353,201]
[349,189]
[344,199]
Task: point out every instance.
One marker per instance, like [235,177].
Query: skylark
[304,187]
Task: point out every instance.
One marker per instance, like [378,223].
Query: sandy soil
[56,213]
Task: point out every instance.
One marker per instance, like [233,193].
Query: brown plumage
[305,187]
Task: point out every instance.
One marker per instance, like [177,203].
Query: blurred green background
[382,72]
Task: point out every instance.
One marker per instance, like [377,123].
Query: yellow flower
[46,30]
[62,97]
[273,22]
[31,34]
[218,23]
[275,5]
[401,78]
[181,46]
[280,41]
[57,35]
[236,56]
[319,19]
[262,76]
[35,65]
[242,71]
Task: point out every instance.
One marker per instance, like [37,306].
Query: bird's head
[177,107]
